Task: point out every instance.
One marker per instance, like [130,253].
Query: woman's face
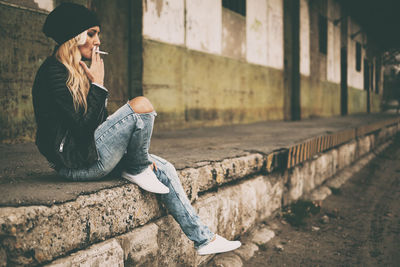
[92,40]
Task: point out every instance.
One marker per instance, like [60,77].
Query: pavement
[26,179]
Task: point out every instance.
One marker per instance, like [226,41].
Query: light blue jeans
[124,140]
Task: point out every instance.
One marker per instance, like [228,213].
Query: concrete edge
[44,233]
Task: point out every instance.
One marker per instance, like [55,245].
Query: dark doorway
[367,83]
[343,82]
[292,109]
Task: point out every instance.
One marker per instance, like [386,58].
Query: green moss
[24,48]
[357,100]
[319,98]
[191,88]
[376,100]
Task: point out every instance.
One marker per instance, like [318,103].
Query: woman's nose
[97,41]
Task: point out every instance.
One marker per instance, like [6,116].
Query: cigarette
[102,52]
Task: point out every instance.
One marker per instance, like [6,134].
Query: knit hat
[67,21]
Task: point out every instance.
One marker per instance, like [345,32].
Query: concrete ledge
[108,253]
[211,175]
[231,196]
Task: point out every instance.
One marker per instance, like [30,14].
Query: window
[358,56]
[366,74]
[323,34]
[371,76]
[377,78]
[238,6]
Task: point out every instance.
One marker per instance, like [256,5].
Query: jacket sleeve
[78,121]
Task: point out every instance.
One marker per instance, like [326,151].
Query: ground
[358,225]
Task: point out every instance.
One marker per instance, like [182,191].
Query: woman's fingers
[98,54]
[96,71]
[86,69]
[94,54]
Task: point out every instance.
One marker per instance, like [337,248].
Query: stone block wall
[230,196]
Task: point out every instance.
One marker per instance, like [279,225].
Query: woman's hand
[96,71]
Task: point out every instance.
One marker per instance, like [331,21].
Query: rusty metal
[304,151]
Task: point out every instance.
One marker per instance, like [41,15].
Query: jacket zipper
[62,142]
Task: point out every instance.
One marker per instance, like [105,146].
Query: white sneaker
[147,180]
[218,245]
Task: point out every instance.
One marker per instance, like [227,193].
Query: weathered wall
[319,98]
[275,34]
[376,100]
[204,25]
[333,56]
[190,88]
[214,85]
[304,38]
[35,5]
[233,34]
[164,22]
[320,79]
[264,33]
[24,48]
[318,60]
[256,32]
[355,78]
[357,100]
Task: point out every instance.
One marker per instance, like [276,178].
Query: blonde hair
[78,83]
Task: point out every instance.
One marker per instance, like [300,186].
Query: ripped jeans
[124,140]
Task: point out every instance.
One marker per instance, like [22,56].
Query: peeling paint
[256,25]
[333,56]
[164,21]
[275,34]
[355,78]
[204,25]
[305,38]
[45,4]
[256,32]
[233,34]
[159,6]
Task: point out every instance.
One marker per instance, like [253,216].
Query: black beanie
[67,21]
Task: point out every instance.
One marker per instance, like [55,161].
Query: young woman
[80,140]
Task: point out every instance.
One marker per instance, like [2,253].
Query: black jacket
[65,136]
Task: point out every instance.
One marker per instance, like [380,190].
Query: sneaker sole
[220,251]
[126,176]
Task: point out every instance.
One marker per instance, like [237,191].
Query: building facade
[206,62]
